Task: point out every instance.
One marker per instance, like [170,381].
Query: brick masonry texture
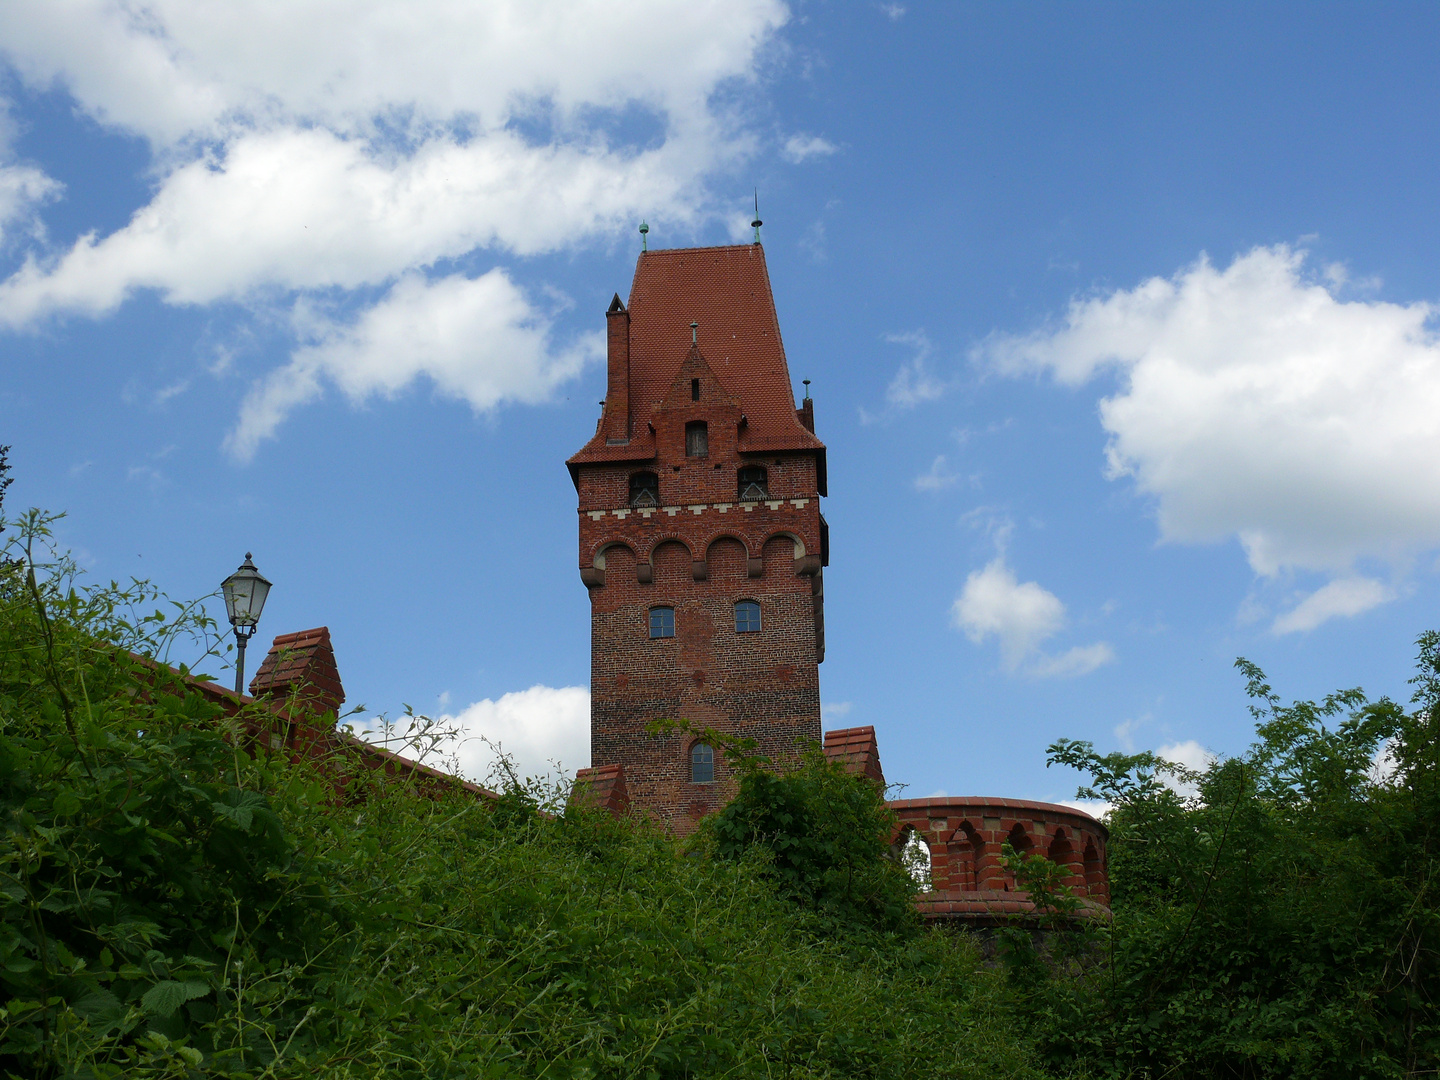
[702,549]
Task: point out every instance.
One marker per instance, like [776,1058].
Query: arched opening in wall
[727,560]
[1094,872]
[644,489]
[967,857]
[1020,842]
[913,853]
[672,562]
[1062,853]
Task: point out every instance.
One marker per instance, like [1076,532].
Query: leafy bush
[174,905]
[1275,914]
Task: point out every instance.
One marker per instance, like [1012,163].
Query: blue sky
[1118,319]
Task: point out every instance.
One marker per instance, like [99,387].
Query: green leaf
[165,997]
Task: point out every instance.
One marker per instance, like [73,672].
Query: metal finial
[807,388]
[757,222]
[644,241]
[694,333]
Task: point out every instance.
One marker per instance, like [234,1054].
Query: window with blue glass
[662,622]
[747,617]
[702,764]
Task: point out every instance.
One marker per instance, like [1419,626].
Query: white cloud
[835,710]
[1081,660]
[1192,756]
[477,340]
[310,209]
[533,727]
[1023,616]
[893,12]
[319,146]
[938,478]
[1256,403]
[994,604]
[913,383]
[174,70]
[800,148]
[23,189]
[1344,597]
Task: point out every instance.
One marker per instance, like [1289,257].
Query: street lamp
[245,591]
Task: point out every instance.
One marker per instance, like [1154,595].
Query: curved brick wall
[969,882]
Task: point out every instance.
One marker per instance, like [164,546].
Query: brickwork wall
[763,685]
[965,837]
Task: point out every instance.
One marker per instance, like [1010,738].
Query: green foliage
[822,834]
[1275,914]
[173,904]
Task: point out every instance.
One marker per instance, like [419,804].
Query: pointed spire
[757,222]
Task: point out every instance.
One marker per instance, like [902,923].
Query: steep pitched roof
[727,291]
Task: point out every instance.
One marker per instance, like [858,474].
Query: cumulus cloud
[995,604]
[478,340]
[800,148]
[319,146]
[535,728]
[1343,597]
[1022,616]
[1257,403]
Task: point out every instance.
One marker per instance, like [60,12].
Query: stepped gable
[857,749]
[302,664]
[726,290]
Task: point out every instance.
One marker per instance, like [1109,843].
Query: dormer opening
[697,439]
[644,489]
[694,389]
[752,483]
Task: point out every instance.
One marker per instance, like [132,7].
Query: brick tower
[701,538]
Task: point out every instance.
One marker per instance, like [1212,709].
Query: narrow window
[697,439]
[662,622]
[747,617]
[694,389]
[644,489]
[753,484]
[702,764]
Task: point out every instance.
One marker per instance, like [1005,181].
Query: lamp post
[245,591]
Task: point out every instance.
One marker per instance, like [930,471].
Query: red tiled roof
[727,291]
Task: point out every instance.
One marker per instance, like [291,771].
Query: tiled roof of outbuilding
[727,291]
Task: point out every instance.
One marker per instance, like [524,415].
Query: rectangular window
[697,439]
[747,617]
[662,622]
[694,389]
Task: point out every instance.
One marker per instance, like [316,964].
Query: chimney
[302,664]
[617,394]
[806,415]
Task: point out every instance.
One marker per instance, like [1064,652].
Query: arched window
[747,617]
[753,484]
[702,764]
[662,622]
[697,439]
[644,489]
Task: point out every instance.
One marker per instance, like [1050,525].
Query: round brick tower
[701,539]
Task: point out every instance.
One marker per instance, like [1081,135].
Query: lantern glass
[245,593]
